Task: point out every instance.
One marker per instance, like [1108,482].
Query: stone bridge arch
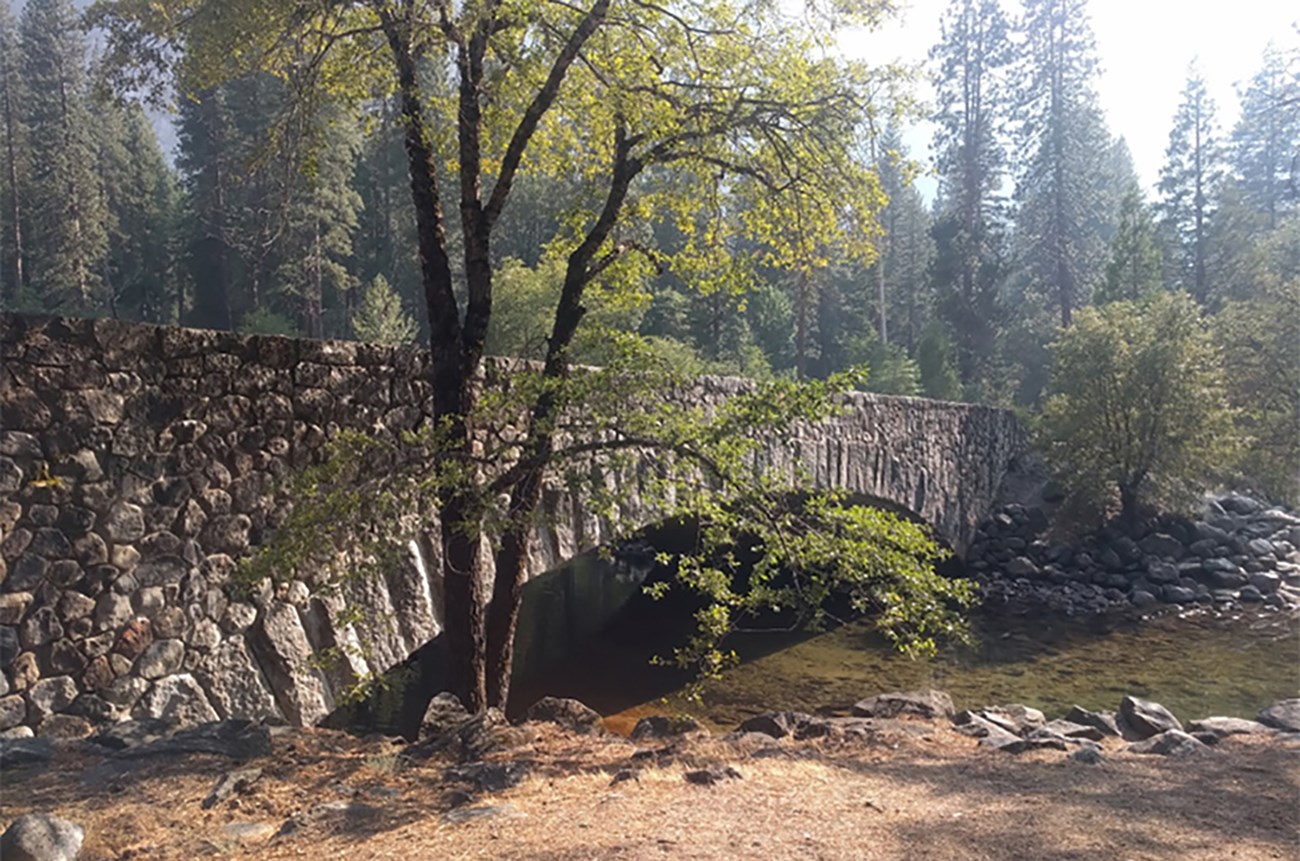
[139,463]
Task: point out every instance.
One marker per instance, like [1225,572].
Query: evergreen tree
[1134,269]
[380,318]
[16,164]
[64,205]
[141,200]
[970,66]
[902,272]
[320,223]
[1064,150]
[1265,146]
[1188,184]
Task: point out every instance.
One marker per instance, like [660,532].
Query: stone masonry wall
[139,463]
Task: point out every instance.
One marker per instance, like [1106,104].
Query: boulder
[1226,726]
[775,724]
[662,726]
[1171,742]
[41,837]
[1144,718]
[234,683]
[20,750]
[443,716]
[1162,545]
[929,704]
[284,653]
[1021,566]
[1283,715]
[567,713]
[1070,729]
[177,698]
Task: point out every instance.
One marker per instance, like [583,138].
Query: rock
[51,695]
[1178,594]
[132,733]
[40,628]
[1021,566]
[124,523]
[443,716]
[41,837]
[17,752]
[1250,595]
[567,713]
[234,683]
[1261,547]
[13,711]
[466,814]
[775,724]
[1162,545]
[1142,599]
[1283,715]
[236,739]
[661,727]
[249,833]
[1146,718]
[1088,755]
[162,658]
[13,605]
[284,653]
[64,726]
[1265,582]
[1103,721]
[1171,742]
[112,612]
[1238,504]
[230,783]
[177,698]
[1162,572]
[487,776]
[927,704]
[1226,726]
[711,775]
[1069,729]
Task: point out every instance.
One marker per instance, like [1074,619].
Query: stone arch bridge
[139,463]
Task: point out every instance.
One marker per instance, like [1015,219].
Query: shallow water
[1197,664]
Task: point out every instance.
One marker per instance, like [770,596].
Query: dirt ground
[927,793]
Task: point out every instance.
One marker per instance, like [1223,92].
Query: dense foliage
[1138,420]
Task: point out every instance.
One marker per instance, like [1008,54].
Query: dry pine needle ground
[910,797]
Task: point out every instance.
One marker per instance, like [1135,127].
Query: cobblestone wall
[139,463]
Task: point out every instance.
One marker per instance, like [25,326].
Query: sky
[1144,47]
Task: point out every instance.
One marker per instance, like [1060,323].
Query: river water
[1198,664]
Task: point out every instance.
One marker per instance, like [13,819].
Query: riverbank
[904,787]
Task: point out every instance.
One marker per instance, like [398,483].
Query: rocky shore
[1240,551]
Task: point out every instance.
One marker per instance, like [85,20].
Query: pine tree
[141,198]
[320,223]
[903,300]
[1134,270]
[1064,147]
[380,318]
[64,205]
[1188,184]
[1265,146]
[970,67]
[16,164]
